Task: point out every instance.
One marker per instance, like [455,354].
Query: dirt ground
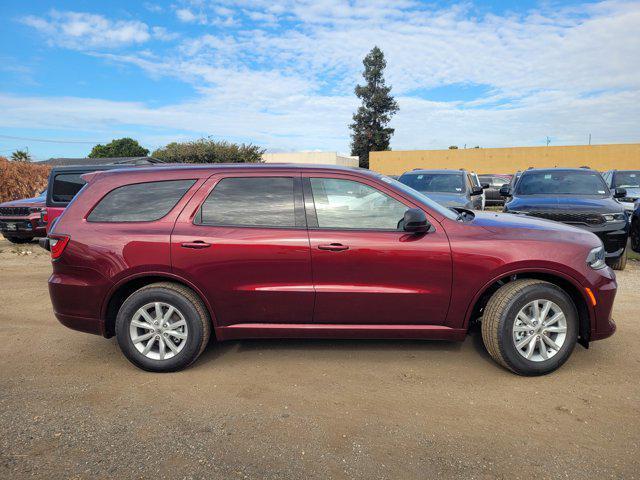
[71,406]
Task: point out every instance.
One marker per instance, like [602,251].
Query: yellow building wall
[509,160]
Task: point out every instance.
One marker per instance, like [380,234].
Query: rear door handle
[333,247]
[196,244]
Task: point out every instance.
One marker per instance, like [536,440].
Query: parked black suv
[635,227]
[450,188]
[576,196]
[627,179]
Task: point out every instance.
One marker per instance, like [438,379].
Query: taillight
[57,244]
[44,216]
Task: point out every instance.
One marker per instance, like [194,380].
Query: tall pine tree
[369,127]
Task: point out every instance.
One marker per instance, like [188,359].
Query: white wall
[320,158]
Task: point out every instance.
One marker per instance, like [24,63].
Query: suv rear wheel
[530,327]
[163,327]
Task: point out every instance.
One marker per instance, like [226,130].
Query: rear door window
[140,202]
[250,202]
[65,187]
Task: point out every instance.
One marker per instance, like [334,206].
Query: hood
[519,226]
[448,199]
[25,202]
[584,203]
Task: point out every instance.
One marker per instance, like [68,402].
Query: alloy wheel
[158,331]
[539,330]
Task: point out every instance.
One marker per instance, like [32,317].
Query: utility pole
[548,140]
[589,139]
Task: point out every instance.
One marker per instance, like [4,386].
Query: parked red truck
[20,220]
[165,257]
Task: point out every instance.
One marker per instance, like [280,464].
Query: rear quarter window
[140,202]
[66,186]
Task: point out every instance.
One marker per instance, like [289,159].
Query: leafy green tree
[121,147]
[369,128]
[21,156]
[207,150]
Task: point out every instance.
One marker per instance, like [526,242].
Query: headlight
[614,217]
[595,258]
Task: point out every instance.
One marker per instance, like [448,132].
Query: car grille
[14,211]
[585,218]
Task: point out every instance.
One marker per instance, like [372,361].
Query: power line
[47,140]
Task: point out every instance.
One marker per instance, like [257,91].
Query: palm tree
[21,156]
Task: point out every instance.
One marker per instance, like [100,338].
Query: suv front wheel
[163,327]
[530,327]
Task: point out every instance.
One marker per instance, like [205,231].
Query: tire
[499,320]
[635,236]
[19,240]
[189,311]
[621,262]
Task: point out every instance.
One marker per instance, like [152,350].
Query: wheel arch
[123,289]
[566,283]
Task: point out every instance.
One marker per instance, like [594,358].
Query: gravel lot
[71,406]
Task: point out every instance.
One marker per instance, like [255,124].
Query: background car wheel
[635,236]
[620,262]
[163,327]
[530,327]
[19,239]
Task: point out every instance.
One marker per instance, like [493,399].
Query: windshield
[630,179]
[560,182]
[434,182]
[419,197]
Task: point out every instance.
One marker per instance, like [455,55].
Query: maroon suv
[165,257]
[20,219]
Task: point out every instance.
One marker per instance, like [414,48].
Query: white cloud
[561,72]
[153,7]
[82,31]
[187,16]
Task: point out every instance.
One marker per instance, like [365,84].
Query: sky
[281,73]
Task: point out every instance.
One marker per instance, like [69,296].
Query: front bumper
[614,242]
[30,226]
[614,237]
[604,286]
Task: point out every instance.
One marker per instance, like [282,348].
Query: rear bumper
[76,297]
[82,324]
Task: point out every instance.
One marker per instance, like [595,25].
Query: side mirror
[485,185]
[476,190]
[620,193]
[505,190]
[415,221]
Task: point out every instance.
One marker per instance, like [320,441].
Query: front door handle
[334,247]
[196,244]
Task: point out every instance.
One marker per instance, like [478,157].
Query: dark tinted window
[629,179]
[65,186]
[140,202]
[562,183]
[435,182]
[251,202]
